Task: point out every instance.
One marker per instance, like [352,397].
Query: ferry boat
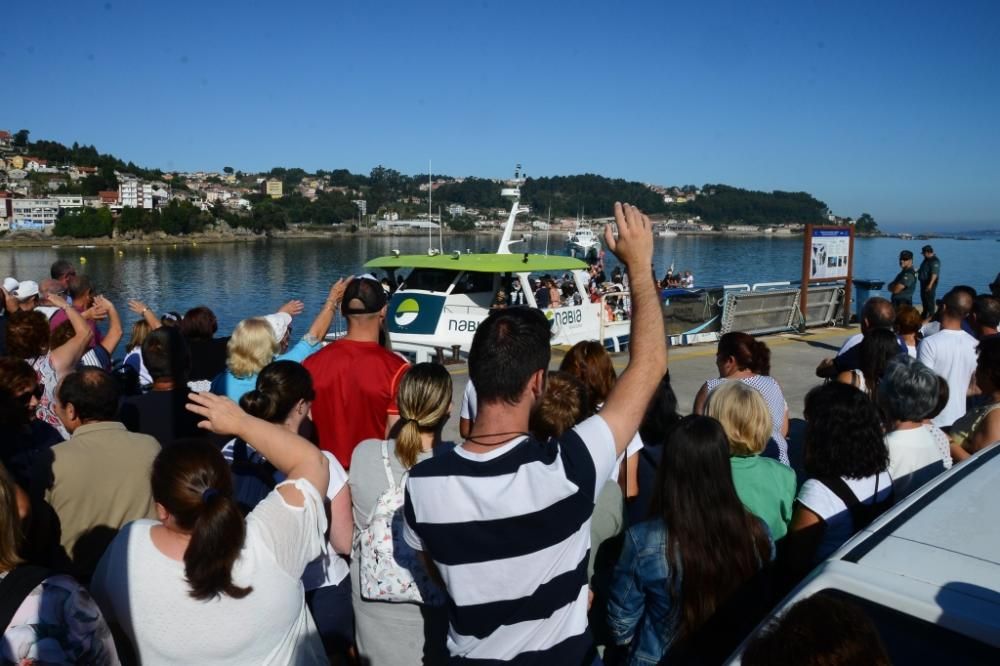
[443,298]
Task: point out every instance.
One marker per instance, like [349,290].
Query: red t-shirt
[355,386]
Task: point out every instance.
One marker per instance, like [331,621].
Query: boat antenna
[548,230]
[430,215]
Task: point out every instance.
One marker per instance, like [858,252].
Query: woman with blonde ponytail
[399,632]
[203,585]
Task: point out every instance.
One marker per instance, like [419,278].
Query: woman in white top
[742,357]
[283,396]
[848,485]
[907,394]
[29,337]
[200,585]
[388,631]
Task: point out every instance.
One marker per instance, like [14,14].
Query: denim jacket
[644,606]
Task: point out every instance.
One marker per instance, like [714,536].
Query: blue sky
[884,107]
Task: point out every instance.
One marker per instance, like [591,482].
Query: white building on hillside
[135,194]
[34,214]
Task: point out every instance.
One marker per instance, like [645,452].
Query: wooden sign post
[827,256]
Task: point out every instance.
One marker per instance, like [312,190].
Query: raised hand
[101,302]
[57,300]
[337,290]
[293,307]
[137,306]
[634,245]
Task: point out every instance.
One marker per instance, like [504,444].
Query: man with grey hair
[951,353]
[907,393]
[49,286]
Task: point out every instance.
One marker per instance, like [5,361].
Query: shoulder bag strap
[386,464]
[15,587]
[841,490]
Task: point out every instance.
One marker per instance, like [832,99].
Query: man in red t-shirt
[355,377]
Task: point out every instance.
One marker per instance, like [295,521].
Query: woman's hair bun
[258,403]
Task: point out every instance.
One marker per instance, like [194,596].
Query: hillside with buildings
[76,191]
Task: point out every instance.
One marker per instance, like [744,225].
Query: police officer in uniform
[902,285]
[929,273]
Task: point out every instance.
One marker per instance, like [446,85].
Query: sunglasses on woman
[37,393]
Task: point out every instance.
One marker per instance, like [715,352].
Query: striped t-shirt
[509,530]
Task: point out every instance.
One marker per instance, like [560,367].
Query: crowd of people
[266,499]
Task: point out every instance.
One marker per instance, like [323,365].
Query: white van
[927,572]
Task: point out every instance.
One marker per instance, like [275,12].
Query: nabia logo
[407,312]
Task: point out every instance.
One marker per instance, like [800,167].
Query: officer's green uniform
[908,278]
[928,268]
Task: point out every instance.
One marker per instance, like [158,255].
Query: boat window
[430,279]
[472,283]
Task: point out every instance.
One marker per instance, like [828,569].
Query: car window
[910,640]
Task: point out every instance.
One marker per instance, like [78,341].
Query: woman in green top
[765,486]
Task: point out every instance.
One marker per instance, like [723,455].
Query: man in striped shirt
[505,518]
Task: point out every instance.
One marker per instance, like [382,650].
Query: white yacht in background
[584,243]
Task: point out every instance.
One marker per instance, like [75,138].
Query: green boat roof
[481,263]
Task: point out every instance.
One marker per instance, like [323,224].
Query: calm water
[243,279]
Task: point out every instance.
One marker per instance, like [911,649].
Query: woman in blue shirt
[258,341]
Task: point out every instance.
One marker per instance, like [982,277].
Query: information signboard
[830,254]
[827,255]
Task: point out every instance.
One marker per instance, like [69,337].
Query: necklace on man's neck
[507,436]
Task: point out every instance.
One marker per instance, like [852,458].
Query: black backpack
[252,480]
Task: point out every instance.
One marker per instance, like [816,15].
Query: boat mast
[513,193]
[430,215]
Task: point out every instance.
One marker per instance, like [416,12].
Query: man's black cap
[364,295]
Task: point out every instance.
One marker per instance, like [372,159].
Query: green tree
[21,138]
[227,170]
[87,223]
[866,224]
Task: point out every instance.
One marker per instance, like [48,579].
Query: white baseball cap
[10,284]
[279,323]
[26,290]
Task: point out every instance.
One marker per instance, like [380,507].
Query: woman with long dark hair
[877,348]
[744,358]
[201,585]
[678,568]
